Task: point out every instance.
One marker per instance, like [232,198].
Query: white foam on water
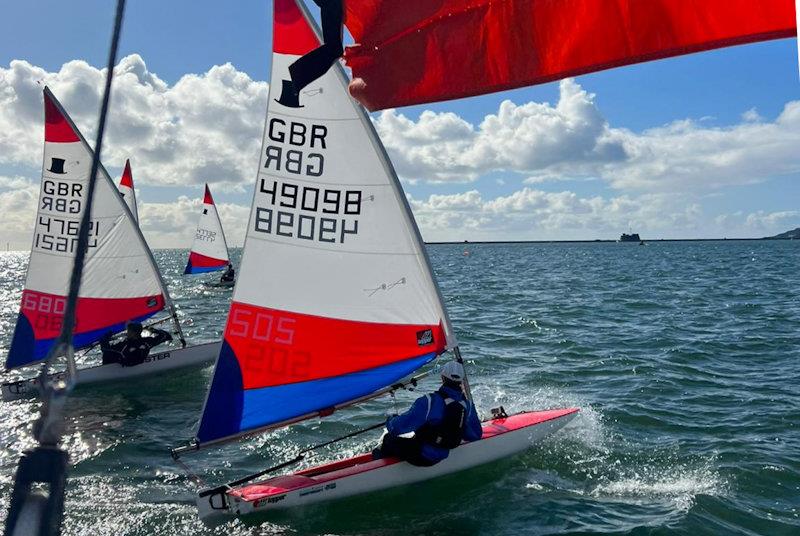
[677,485]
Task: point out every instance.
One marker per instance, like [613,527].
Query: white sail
[335,297]
[120,279]
[209,250]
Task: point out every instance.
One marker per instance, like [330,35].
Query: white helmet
[453,370]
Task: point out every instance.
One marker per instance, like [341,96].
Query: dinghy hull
[156,362]
[502,438]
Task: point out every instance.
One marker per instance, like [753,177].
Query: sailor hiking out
[134,348]
[229,275]
[440,422]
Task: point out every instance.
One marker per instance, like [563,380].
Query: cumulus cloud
[572,139]
[535,214]
[17,206]
[204,128]
[172,225]
[207,128]
[771,220]
[533,137]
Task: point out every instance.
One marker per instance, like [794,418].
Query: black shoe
[289,97]
[376,454]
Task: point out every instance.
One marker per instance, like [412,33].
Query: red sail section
[45,312]
[56,127]
[291,33]
[127,175]
[278,347]
[405,49]
[207,199]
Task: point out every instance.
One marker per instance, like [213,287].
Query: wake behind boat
[121,281]
[336,300]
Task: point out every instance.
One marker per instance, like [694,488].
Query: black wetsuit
[228,276]
[131,352]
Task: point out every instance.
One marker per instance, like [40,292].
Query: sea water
[684,358]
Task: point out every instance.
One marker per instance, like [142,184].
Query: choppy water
[684,357]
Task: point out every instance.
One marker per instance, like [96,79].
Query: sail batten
[335,298]
[121,282]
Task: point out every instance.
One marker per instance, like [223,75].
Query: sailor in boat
[317,62]
[134,349]
[229,275]
[440,422]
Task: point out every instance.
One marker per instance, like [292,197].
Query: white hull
[312,486]
[157,362]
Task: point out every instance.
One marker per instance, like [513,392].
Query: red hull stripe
[278,347]
[46,312]
[127,176]
[291,33]
[56,128]
[406,48]
[201,261]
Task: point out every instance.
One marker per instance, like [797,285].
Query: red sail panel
[405,50]
[281,347]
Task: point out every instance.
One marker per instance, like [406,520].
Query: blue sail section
[230,412]
[27,350]
[191,270]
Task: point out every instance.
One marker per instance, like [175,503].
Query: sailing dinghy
[336,300]
[127,191]
[121,281]
[209,251]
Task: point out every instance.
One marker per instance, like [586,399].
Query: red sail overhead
[419,51]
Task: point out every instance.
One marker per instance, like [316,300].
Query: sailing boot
[289,97]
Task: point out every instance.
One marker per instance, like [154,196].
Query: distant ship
[630,238]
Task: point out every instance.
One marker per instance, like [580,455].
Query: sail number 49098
[306,212]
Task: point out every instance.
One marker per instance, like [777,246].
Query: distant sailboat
[336,299]
[127,191]
[209,251]
[121,281]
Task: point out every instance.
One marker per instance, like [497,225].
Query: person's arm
[473,430]
[412,419]
[105,341]
[158,336]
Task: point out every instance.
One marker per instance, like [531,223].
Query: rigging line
[47,463]
[65,338]
[298,458]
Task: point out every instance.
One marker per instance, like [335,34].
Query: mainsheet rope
[31,512]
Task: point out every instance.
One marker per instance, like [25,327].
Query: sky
[699,146]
